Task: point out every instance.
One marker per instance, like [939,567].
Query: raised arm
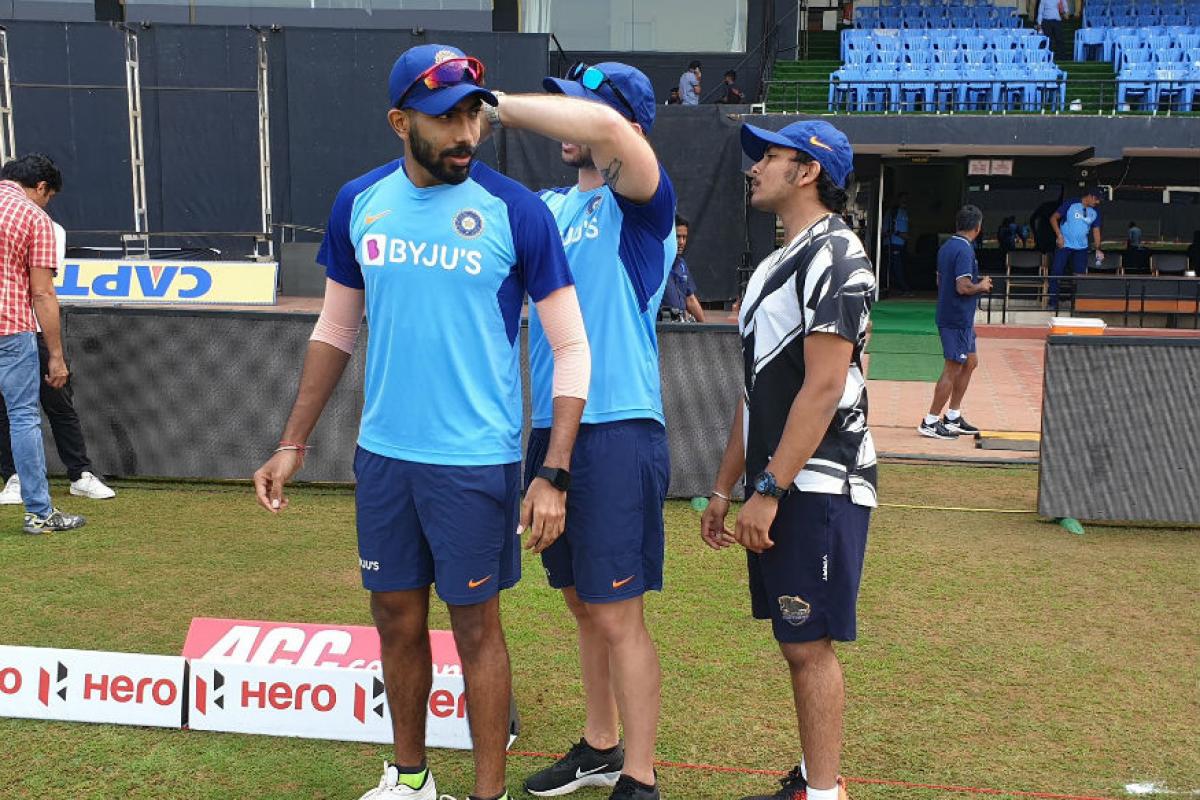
[623,156]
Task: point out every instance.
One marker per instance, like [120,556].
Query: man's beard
[435,164]
[581,160]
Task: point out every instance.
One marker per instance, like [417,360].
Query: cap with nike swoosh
[828,146]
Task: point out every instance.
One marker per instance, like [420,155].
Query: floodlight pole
[264,146]
[137,151]
[8,142]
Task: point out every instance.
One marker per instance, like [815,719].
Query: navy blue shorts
[612,548]
[957,343]
[455,527]
[807,584]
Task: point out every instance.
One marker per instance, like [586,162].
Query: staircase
[812,96]
[1093,83]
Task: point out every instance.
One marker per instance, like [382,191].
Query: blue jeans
[20,381]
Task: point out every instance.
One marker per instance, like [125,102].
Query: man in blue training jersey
[959,287]
[1072,223]
[441,250]
[618,226]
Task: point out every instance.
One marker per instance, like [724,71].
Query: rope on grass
[958,508]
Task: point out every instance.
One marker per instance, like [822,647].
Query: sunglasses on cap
[451,72]
[593,78]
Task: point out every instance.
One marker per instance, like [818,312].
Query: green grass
[994,651]
[913,343]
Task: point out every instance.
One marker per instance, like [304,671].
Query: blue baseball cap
[632,83]
[415,62]
[828,146]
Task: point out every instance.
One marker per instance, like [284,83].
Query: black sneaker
[794,788]
[960,425]
[629,789]
[936,431]
[57,521]
[582,766]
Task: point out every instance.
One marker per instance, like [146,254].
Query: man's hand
[271,476]
[57,372]
[753,530]
[543,514]
[1060,241]
[1099,255]
[985,285]
[712,524]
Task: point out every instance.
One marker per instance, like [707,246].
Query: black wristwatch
[559,478]
[765,485]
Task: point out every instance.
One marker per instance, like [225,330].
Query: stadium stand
[1153,46]
[953,68]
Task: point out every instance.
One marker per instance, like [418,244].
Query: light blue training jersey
[445,270]
[1076,221]
[620,253]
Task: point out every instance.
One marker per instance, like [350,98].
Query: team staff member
[617,223]
[959,287]
[679,301]
[1072,223]
[441,250]
[800,435]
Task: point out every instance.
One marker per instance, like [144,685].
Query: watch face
[762,484]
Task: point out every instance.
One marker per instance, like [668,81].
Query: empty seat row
[1147,87]
[944,88]
[1108,44]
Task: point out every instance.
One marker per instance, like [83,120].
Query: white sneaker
[11,496]
[88,486]
[390,787]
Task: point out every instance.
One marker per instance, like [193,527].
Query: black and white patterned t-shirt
[821,282]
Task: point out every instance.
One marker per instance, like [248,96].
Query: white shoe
[11,496]
[88,486]
[390,787]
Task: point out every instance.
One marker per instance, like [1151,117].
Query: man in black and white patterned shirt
[800,433]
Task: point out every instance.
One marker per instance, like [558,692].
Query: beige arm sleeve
[563,323]
[341,316]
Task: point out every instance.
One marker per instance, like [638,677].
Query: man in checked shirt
[28,260]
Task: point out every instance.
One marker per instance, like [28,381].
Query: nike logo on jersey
[373,218]
[475,584]
[618,584]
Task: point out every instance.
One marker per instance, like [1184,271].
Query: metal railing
[1129,299]
[964,94]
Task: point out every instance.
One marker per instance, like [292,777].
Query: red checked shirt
[26,242]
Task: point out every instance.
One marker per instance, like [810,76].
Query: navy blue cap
[632,83]
[434,102]
[828,146]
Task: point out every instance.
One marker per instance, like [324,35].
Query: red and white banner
[237,641]
[316,703]
[90,686]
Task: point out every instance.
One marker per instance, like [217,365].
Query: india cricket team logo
[468,224]
[794,609]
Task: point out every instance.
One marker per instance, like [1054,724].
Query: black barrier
[193,394]
[1119,438]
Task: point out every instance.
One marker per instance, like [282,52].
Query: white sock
[952,414]
[822,794]
[803,770]
[929,420]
